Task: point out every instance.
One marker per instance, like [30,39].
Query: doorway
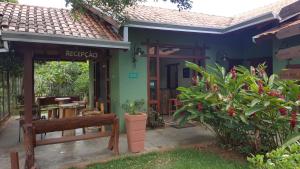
[166,72]
[172,75]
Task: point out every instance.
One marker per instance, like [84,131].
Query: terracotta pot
[136,129]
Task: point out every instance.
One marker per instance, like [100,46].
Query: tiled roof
[274,7]
[53,21]
[158,15]
[174,17]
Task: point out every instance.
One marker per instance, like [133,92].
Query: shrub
[283,157]
[244,107]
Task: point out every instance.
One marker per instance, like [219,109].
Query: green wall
[235,45]
[125,88]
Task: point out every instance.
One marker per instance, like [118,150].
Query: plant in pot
[135,120]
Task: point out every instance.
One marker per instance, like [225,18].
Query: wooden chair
[36,116]
[89,112]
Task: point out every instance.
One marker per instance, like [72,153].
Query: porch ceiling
[283,31]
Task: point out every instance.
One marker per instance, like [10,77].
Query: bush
[283,157]
[244,107]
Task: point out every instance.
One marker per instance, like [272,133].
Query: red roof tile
[194,19]
[42,20]
[176,17]
[274,7]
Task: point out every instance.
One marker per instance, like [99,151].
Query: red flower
[233,73]
[231,112]
[200,107]
[260,87]
[276,93]
[283,111]
[293,120]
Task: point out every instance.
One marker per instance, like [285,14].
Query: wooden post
[91,84]
[28,102]
[28,145]
[14,160]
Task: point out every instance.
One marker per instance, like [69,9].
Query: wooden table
[70,110]
[62,100]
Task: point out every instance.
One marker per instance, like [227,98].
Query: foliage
[175,159]
[283,157]
[61,79]
[245,108]
[134,107]
[11,63]
[12,1]
[116,8]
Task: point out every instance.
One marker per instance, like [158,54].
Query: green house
[144,57]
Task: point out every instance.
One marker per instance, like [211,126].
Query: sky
[214,7]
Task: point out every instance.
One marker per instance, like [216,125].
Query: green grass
[176,159]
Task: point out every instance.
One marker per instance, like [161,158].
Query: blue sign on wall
[133,75]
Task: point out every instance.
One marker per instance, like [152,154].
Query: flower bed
[245,107]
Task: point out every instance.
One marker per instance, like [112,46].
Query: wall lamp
[137,51]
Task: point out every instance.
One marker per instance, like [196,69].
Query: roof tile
[194,19]
[42,20]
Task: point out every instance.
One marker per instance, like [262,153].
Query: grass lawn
[176,159]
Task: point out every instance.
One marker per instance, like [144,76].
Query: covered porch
[66,155]
[31,120]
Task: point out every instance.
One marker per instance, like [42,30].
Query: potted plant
[135,120]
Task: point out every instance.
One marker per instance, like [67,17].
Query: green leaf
[266,103]
[253,110]
[254,102]
[292,139]
[244,119]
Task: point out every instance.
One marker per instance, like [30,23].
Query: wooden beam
[72,138]
[28,102]
[44,126]
[290,30]
[91,84]
[29,138]
[28,85]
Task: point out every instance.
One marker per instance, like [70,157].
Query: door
[172,76]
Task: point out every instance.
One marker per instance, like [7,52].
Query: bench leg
[116,137]
[111,139]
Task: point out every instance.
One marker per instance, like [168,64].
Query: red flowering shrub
[243,106]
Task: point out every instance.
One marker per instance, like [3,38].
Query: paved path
[61,155]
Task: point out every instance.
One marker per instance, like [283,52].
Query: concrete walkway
[64,155]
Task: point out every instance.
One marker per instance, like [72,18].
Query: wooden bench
[45,126]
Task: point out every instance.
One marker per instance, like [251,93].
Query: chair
[36,116]
[89,112]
